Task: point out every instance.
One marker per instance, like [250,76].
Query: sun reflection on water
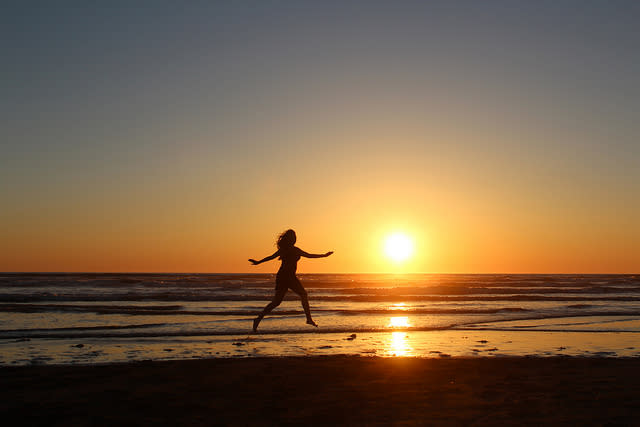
[399,346]
[399,322]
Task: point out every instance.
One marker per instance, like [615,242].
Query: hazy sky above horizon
[502,136]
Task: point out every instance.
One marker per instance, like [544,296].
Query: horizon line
[334,273]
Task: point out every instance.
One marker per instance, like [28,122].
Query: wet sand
[328,390]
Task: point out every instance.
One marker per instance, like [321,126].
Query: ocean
[87,318]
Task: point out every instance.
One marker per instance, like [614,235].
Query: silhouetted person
[286,277]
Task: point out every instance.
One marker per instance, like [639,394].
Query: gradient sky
[502,136]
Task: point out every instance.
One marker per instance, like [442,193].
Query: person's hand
[253,261]
[328,253]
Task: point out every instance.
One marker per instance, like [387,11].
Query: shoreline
[327,390]
[425,344]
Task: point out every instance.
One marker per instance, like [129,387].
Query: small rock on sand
[351,337]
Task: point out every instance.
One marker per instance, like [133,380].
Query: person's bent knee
[273,304]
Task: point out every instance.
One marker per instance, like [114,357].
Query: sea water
[103,318]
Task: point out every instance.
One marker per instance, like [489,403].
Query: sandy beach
[328,390]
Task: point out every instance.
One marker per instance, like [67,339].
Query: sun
[398,247]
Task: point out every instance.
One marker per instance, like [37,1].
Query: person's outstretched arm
[308,255]
[269,258]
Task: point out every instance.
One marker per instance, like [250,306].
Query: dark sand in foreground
[328,390]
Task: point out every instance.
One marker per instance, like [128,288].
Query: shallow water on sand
[446,343]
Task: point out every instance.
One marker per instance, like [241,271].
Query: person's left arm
[308,255]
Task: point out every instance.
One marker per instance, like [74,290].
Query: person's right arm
[265,259]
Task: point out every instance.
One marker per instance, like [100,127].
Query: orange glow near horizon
[210,230]
[465,226]
[209,245]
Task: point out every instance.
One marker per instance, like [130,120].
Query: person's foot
[256,322]
[312,323]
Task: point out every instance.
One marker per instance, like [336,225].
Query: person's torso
[289,257]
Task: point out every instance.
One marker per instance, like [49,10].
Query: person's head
[287,239]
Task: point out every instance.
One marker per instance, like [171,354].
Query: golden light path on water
[399,345]
[399,322]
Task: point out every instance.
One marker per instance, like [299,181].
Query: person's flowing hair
[286,240]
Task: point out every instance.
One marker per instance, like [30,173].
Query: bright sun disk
[398,247]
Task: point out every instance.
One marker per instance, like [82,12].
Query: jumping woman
[286,277]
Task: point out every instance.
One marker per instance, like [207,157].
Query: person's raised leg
[307,310]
